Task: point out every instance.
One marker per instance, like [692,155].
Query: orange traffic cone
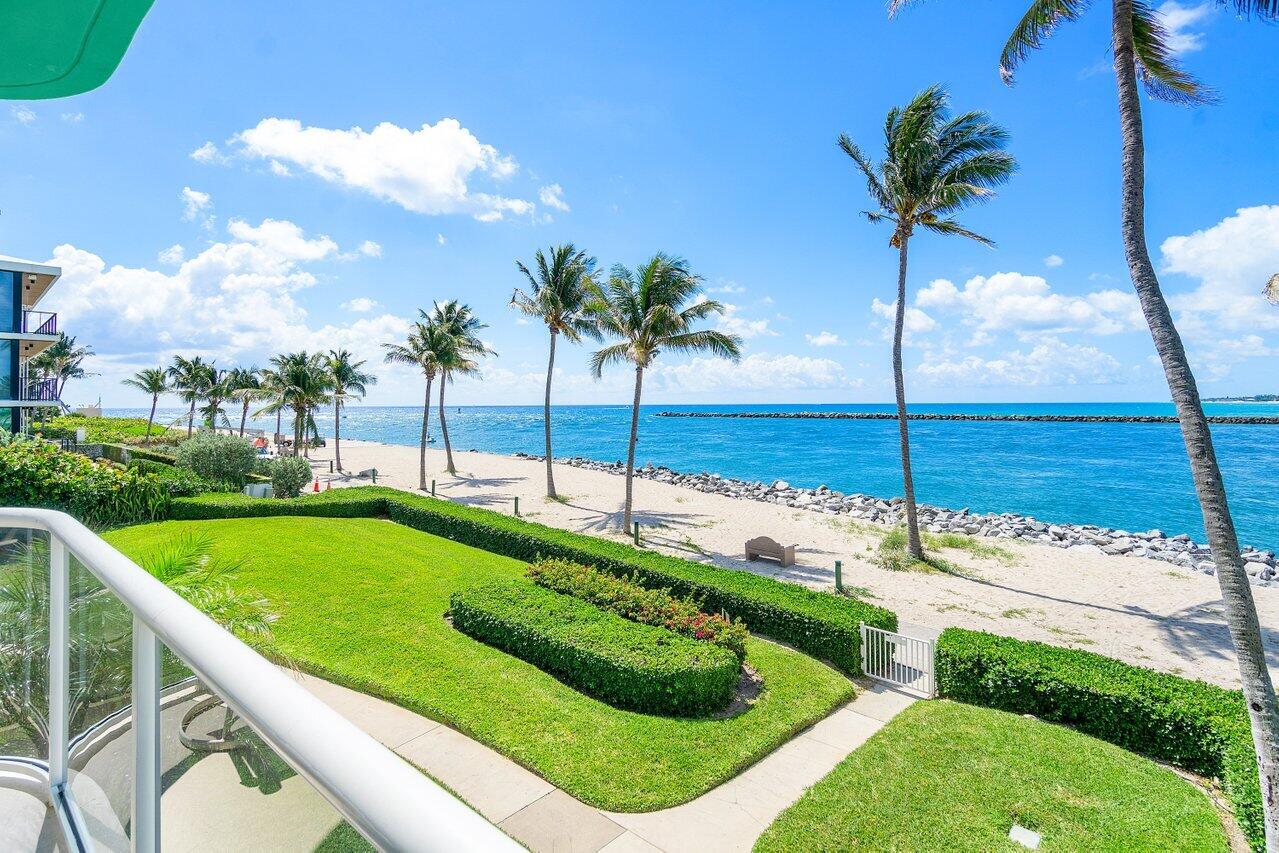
[328,486]
[316,487]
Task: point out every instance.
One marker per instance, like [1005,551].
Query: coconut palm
[933,167]
[347,381]
[653,308]
[458,328]
[1272,289]
[421,349]
[151,381]
[559,295]
[62,360]
[244,385]
[1141,53]
[219,389]
[304,386]
[191,379]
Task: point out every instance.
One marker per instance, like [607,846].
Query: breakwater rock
[939,416]
[1180,550]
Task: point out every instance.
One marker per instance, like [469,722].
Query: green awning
[56,48]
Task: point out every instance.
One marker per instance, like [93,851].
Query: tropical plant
[191,379]
[421,349]
[62,360]
[933,167]
[1142,52]
[216,456]
[653,308]
[1272,290]
[244,385]
[347,381]
[303,386]
[559,295]
[219,389]
[458,356]
[288,475]
[153,381]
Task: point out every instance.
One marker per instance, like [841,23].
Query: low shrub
[1201,727]
[181,482]
[817,623]
[163,454]
[215,456]
[98,430]
[638,667]
[639,604]
[289,474]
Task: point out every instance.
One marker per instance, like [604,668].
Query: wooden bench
[762,546]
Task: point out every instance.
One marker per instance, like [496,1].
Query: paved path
[728,818]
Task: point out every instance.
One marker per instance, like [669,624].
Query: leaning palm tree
[153,381]
[62,360]
[190,378]
[933,167]
[559,295]
[244,385]
[421,349]
[459,330]
[653,308]
[1141,51]
[346,381]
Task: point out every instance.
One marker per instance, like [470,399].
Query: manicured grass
[954,777]
[362,601]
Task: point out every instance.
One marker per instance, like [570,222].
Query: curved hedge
[817,623]
[1201,727]
[633,666]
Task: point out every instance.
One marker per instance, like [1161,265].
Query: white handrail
[392,804]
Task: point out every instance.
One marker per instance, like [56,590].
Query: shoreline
[1258,420]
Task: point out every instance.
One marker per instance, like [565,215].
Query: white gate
[899,660]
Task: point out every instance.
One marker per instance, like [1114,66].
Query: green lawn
[946,776]
[361,601]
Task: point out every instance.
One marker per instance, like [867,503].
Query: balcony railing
[38,390]
[39,323]
[140,705]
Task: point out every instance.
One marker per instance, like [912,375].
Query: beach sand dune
[1146,612]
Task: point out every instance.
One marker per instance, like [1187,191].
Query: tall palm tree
[933,167]
[459,329]
[244,385]
[653,308]
[421,349]
[62,360]
[304,386]
[153,381]
[346,381]
[190,378]
[559,295]
[220,388]
[272,390]
[1141,52]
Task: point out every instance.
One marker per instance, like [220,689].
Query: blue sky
[286,155]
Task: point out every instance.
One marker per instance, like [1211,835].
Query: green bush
[1201,727]
[181,482]
[218,457]
[639,604]
[98,430]
[817,623]
[38,473]
[154,454]
[289,474]
[638,667]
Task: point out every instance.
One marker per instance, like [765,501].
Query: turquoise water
[1130,476]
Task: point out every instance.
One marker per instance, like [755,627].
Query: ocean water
[1129,476]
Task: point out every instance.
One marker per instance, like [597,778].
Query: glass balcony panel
[24,643]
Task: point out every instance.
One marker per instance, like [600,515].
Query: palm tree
[559,295]
[933,167]
[304,386]
[191,379]
[1141,51]
[421,349]
[219,388]
[62,360]
[346,380]
[272,389]
[151,381]
[1272,289]
[651,309]
[244,385]
[458,328]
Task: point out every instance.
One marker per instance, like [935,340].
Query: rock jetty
[1179,550]
[941,416]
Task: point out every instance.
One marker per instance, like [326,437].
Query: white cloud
[1026,305]
[173,255]
[368,249]
[916,321]
[278,168]
[733,323]
[73,118]
[1178,19]
[360,305]
[552,195]
[441,239]
[428,170]
[24,115]
[207,153]
[1054,261]
[825,339]
[1050,362]
[756,372]
[194,204]
[728,287]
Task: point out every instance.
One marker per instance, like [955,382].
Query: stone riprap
[1179,550]
[939,416]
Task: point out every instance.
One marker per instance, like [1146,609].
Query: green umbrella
[56,48]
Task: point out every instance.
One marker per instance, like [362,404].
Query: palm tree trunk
[546,416]
[1236,593]
[426,435]
[630,451]
[191,418]
[337,432]
[444,427]
[279,413]
[155,398]
[244,416]
[913,546]
[298,419]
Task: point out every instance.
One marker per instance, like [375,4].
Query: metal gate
[899,660]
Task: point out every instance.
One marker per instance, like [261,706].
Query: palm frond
[707,340]
[1157,66]
[1039,22]
[950,226]
[611,354]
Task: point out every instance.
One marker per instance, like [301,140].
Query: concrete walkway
[532,810]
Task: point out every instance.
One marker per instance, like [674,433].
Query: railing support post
[839,576]
[59,657]
[146,734]
[861,632]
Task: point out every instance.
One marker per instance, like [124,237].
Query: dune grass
[362,602]
[947,776]
[891,553]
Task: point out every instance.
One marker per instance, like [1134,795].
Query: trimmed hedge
[817,623]
[629,665]
[1200,727]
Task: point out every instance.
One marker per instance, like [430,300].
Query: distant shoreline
[934,416]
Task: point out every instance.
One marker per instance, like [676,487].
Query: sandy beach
[1142,611]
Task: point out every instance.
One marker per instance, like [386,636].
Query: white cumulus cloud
[1026,304]
[552,195]
[733,323]
[1054,261]
[1178,21]
[194,204]
[825,339]
[360,305]
[1050,362]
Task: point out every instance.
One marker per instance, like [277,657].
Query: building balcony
[39,391]
[39,323]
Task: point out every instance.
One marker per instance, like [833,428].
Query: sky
[254,180]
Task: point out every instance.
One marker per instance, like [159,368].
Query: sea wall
[939,416]
[1179,550]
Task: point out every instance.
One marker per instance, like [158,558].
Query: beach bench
[762,546]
